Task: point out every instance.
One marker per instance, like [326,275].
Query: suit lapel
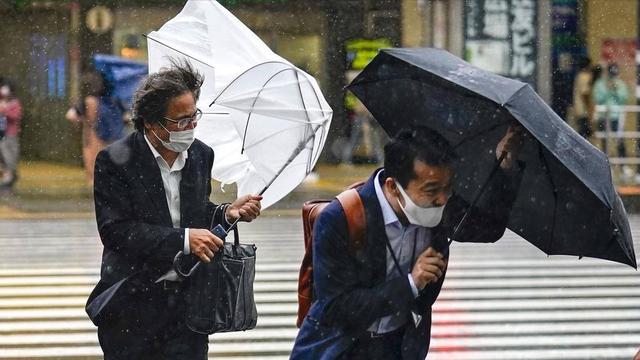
[376,232]
[149,173]
[188,189]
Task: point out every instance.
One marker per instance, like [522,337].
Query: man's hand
[428,268]
[511,143]
[245,208]
[203,244]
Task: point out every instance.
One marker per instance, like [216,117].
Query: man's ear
[390,186]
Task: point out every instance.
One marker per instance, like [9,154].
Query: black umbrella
[566,203]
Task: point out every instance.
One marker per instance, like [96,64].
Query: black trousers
[152,327]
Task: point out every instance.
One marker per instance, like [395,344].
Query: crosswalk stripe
[500,301]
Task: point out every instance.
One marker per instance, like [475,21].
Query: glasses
[184,122]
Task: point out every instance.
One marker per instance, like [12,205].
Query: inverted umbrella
[266,119]
[566,203]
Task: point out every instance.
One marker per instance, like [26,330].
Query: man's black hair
[152,98]
[421,144]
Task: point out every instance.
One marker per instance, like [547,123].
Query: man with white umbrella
[152,200]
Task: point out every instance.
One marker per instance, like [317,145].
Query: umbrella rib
[269,136]
[289,161]
[246,128]
[306,130]
[476,198]
[322,140]
[215,113]
[555,199]
[240,75]
[178,51]
[323,122]
[279,118]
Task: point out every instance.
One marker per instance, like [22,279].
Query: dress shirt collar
[388,214]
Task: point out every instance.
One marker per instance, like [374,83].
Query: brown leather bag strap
[354,212]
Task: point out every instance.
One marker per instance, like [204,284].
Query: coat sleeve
[119,229]
[338,285]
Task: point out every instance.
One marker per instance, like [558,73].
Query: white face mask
[417,215]
[4,91]
[179,141]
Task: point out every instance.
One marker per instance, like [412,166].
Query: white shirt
[407,244]
[171,177]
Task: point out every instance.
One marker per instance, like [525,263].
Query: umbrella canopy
[266,120]
[566,203]
[122,75]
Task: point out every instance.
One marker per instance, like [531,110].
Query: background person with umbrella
[102,112]
[375,302]
[152,192]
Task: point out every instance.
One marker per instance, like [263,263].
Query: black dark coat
[134,222]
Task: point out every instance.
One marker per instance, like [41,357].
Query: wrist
[230,219]
[419,286]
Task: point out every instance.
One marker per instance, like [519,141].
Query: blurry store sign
[500,36]
[621,51]
[361,51]
[99,19]
[47,77]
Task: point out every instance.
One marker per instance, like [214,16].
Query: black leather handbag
[219,294]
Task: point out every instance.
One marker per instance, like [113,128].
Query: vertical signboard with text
[501,35]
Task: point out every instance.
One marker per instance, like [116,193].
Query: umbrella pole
[477,197]
[295,153]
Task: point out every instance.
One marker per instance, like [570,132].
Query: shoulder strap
[354,212]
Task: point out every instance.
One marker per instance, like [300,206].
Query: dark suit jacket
[351,289]
[134,220]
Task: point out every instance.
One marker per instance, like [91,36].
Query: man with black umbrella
[375,302]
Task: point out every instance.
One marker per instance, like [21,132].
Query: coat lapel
[188,190]
[149,173]
[376,232]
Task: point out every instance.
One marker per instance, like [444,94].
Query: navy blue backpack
[110,124]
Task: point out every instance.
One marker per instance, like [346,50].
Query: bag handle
[218,231]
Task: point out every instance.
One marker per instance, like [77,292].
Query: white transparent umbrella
[266,120]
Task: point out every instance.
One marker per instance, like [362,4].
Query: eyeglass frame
[193,119]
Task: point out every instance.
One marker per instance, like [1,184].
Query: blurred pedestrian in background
[610,91]
[582,97]
[364,141]
[10,117]
[85,114]
[101,116]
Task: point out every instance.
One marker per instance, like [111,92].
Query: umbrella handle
[178,270]
[477,197]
